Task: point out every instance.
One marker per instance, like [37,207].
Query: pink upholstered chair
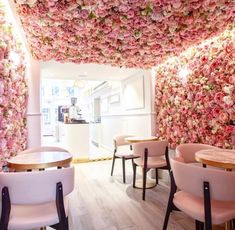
[36,199]
[122,150]
[187,151]
[205,194]
[44,148]
[151,156]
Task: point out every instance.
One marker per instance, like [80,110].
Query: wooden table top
[39,160]
[222,158]
[137,139]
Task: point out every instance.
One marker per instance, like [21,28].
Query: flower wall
[13,91]
[195,94]
[130,33]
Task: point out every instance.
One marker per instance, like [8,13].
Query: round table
[222,158]
[137,139]
[39,160]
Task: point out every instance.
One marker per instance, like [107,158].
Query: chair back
[190,178]
[187,151]
[37,187]
[120,140]
[44,149]
[155,148]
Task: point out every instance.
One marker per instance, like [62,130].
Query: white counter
[77,139]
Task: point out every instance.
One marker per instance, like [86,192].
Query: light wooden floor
[102,202]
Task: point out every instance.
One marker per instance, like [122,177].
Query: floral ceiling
[130,33]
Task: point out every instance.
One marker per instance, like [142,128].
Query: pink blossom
[133,17]
[84,14]
[177,4]
[232,80]
[229,129]
[13,92]
[218,97]
[201,113]
[233,140]
[223,116]
[228,100]
[232,115]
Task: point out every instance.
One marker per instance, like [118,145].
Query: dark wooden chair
[151,155]
[205,194]
[123,151]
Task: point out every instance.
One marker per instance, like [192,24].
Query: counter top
[77,122]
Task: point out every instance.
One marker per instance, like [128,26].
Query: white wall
[33,108]
[122,117]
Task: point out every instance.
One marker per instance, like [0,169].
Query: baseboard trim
[86,160]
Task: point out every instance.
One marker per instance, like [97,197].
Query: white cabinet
[77,140]
[95,131]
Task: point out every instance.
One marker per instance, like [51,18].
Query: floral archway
[143,34]
[13,91]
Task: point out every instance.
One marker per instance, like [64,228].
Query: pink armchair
[187,151]
[151,154]
[122,150]
[36,199]
[205,194]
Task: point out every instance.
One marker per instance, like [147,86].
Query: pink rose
[84,14]
[223,117]
[229,129]
[216,111]
[218,97]
[232,80]
[228,100]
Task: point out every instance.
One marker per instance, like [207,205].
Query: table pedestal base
[226,226]
[149,183]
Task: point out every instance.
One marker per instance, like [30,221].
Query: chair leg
[144,183]
[199,225]
[156,176]
[134,174]
[123,170]
[132,161]
[207,205]
[63,220]
[233,221]
[61,226]
[6,209]
[170,204]
[145,169]
[168,212]
[114,158]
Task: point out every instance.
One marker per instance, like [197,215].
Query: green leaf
[92,15]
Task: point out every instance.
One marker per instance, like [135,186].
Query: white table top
[38,160]
[136,139]
[223,158]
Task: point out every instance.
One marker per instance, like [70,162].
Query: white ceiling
[53,69]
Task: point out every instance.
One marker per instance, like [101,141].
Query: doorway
[55,96]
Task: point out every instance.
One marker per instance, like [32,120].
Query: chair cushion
[194,207]
[124,151]
[153,162]
[34,216]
